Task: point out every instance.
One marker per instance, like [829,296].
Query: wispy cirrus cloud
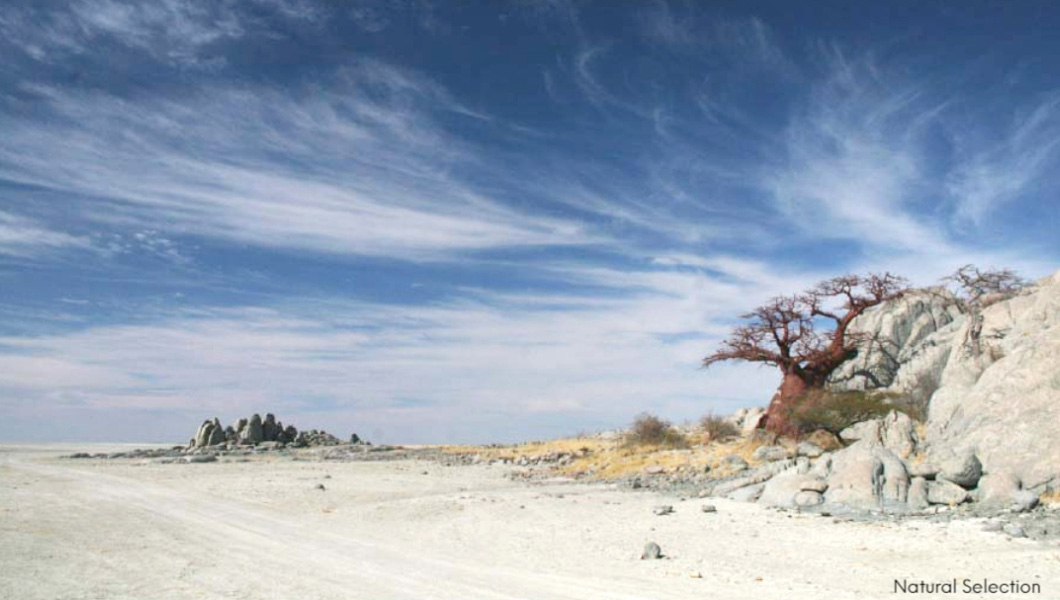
[853,163]
[997,172]
[544,358]
[24,237]
[363,166]
[172,31]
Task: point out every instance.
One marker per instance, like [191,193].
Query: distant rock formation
[255,431]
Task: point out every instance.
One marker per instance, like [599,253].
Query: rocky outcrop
[210,433]
[910,337]
[990,433]
[255,431]
[252,432]
[1004,404]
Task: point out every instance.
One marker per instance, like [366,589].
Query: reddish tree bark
[786,333]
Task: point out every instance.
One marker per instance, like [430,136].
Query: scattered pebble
[993,526]
[1014,530]
[652,551]
[663,509]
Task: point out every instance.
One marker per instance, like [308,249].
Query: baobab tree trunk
[791,389]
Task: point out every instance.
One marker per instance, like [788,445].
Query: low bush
[717,429]
[649,430]
[917,398]
[835,411]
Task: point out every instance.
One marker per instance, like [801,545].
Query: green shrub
[835,411]
[717,429]
[916,400]
[649,430]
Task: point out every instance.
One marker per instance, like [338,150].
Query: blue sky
[439,222]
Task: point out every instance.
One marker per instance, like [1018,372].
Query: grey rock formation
[907,331]
[200,436]
[252,432]
[1002,404]
[895,432]
[747,420]
[267,433]
[210,433]
[808,449]
[867,475]
[808,498]
[770,453]
[270,430]
[962,468]
[1025,500]
[997,490]
[781,491]
[918,494]
[898,434]
[945,492]
[748,493]
[1005,403]
[316,438]
[290,434]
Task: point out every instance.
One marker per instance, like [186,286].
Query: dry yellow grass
[1052,497]
[532,449]
[607,460]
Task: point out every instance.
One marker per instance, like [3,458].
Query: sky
[434,222]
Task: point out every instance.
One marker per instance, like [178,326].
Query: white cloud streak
[995,174]
[597,358]
[361,167]
[852,162]
[26,238]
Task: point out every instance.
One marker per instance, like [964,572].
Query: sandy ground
[91,529]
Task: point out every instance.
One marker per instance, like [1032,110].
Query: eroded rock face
[911,334]
[1001,406]
[867,475]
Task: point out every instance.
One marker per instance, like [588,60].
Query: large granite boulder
[963,468]
[252,432]
[867,475]
[270,429]
[783,490]
[210,433]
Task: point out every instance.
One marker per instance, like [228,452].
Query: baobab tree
[975,290]
[806,336]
